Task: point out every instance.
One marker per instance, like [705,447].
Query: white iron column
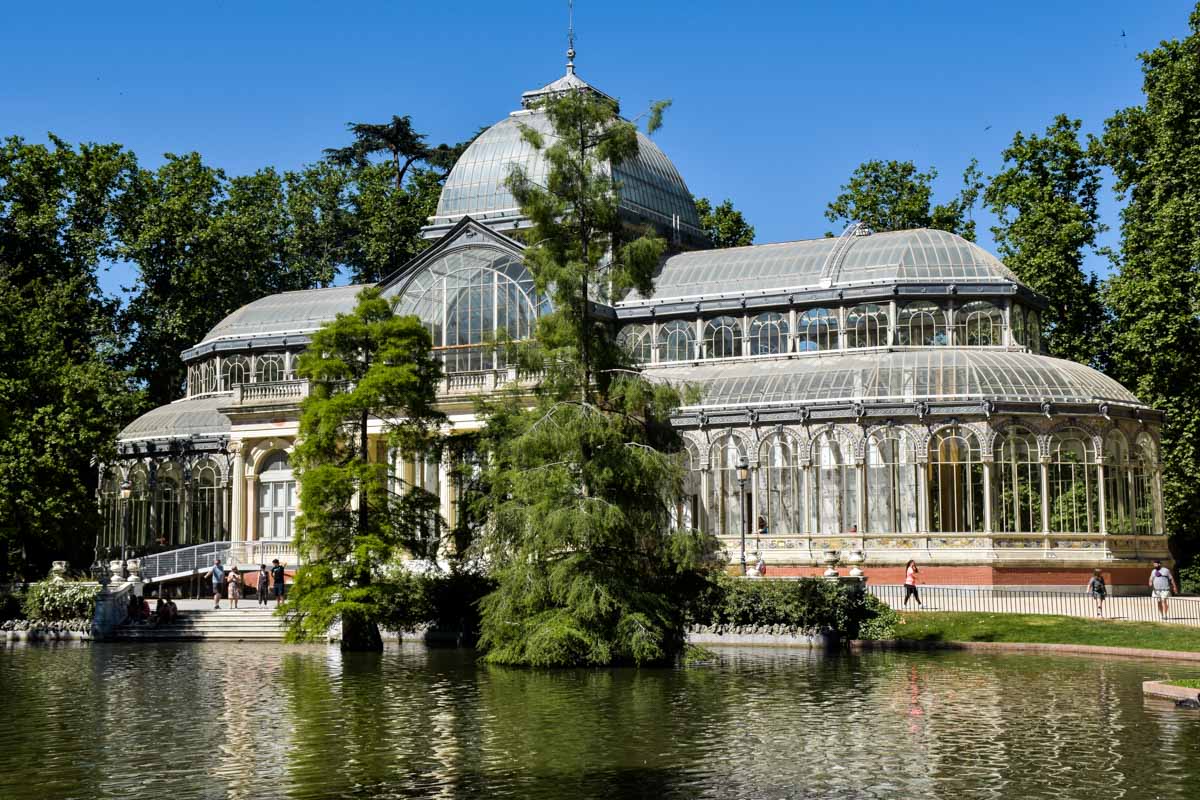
[1101,494]
[238,482]
[987,496]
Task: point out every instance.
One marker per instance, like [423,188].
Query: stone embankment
[765,635]
[32,630]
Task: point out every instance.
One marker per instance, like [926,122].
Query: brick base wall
[1131,576]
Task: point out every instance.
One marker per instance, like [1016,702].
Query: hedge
[59,601]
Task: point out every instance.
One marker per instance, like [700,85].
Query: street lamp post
[743,473]
[126,491]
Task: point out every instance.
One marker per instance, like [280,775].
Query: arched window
[235,370]
[268,368]
[891,482]
[466,297]
[204,525]
[686,512]
[1074,501]
[725,506]
[110,510]
[834,496]
[1118,485]
[1017,483]
[1018,323]
[955,482]
[768,334]
[167,534]
[921,324]
[676,341]
[277,498]
[780,495]
[208,376]
[722,338]
[980,324]
[637,341]
[139,509]
[817,329]
[1033,328]
[1145,518]
[867,326]
[193,380]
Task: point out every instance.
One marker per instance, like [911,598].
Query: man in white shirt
[1162,584]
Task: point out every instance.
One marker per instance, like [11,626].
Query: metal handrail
[183,560]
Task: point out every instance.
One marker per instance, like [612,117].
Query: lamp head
[126,489]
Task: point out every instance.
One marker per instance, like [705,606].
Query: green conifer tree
[365,368]
[589,568]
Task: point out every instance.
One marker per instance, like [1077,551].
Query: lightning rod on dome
[570,37]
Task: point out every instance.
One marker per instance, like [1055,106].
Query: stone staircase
[246,624]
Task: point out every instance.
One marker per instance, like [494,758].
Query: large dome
[651,189]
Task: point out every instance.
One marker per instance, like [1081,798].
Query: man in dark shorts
[277,580]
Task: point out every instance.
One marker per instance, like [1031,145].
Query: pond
[269,721]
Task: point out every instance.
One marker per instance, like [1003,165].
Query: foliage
[894,196]
[62,398]
[1154,152]
[452,600]
[204,245]
[1189,579]
[589,569]
[810,604]
[363,367]
[724,224]
[1046,199]
[10,604]
[1186,683]
[388,201]
[946,626]
[59,601]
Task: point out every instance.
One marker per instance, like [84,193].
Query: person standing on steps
[235,586]
[910,583]
[217,573]
[1098,590]
[264,584]
[1162,584]
[277,581]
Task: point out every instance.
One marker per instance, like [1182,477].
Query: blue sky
[774,102]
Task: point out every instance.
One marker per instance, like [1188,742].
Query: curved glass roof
[288,312]
[650,187]
[937,374]
[913,256]
[194,416]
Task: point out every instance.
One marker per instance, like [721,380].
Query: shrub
[1189,579]
[10,604]
[60,601]
[809,605]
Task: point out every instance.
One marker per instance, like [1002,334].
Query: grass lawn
[1188,683]
[946,626]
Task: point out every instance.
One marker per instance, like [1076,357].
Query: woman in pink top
[910,583]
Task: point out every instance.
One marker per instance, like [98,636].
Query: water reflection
[249,720]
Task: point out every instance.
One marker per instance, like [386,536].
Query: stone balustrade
[272,392]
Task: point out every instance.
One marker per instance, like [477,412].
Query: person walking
[277,580]
[217,573]
[235,586]
[1162,584]
[264,584]
[1098,591]
[910,583]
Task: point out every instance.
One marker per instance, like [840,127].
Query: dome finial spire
[570,37]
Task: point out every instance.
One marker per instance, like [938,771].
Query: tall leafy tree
[1046,200]
[205,245]
[368,368]
[1154,152]
[62,399]
[588,566]
[894,196]
[724,224]
[395,178]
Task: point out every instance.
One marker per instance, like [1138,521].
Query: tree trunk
[360,635]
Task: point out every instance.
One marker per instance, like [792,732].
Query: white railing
[484,382]
[263,552]
[183,560]
[1002,600]
[274,392]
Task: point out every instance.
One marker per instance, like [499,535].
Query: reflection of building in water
[885,392]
